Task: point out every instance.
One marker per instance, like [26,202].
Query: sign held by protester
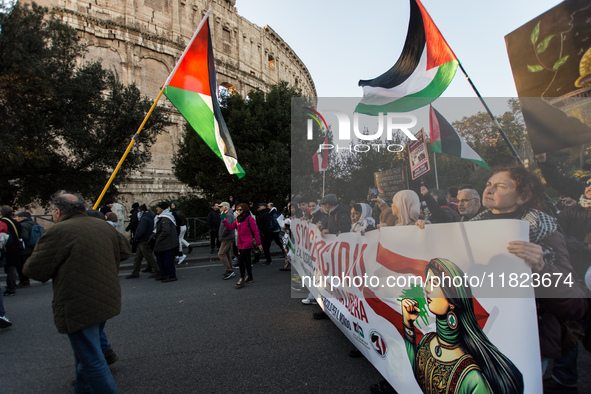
[417,154]
[390,181]
[551,61]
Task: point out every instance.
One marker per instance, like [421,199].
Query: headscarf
[365,220]
[409,207]
[500,372]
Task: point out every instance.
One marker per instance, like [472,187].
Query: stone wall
[142,40]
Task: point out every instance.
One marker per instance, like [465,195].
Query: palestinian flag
[445,139]
[321,164]
[192,88]
[424,70]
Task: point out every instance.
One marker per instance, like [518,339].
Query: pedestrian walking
[86,290]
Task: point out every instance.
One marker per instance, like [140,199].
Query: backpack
[36,232]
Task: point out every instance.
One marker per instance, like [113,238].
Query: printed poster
[384,271]
[417,154]
[550,58]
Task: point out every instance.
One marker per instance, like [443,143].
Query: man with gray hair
[82,256]
[468,204]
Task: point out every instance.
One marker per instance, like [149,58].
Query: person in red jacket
[246,228]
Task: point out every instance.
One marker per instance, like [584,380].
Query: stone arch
[110,59]
[152,75]
[226,88]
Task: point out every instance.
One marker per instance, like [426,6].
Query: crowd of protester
[242,233]
[560,243]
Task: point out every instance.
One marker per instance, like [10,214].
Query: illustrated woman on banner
[458,357]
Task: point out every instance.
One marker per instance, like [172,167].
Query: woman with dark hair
[294,210]
[441,210]
[458,353]
[362,218]
[246,229]
[515,193]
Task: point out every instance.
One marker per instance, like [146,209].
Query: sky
[343,41]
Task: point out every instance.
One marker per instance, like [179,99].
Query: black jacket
[26,227]
[133,221]
[576,223]
[574,220]
[145,227]
[339,219]
[264,222]
[213,221]
[12,254]
[439,213]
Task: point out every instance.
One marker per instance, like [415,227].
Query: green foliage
[63,126]
[260,129]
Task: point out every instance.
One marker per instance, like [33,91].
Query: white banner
[361,281]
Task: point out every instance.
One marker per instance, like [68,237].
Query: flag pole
[137,133]
[436,178]
[135,137]
[495,121]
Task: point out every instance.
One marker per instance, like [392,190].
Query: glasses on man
[465,201]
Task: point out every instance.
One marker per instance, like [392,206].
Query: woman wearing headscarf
[362,218]
[407,207]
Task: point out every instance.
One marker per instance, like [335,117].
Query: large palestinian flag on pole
[445,139]
[424,70]
[192,88]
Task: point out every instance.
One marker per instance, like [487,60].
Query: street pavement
[196,335]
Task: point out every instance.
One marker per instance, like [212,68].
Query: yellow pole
[135,136]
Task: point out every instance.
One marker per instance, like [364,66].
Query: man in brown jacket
[82,255]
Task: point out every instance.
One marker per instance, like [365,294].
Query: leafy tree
[260,129]
[63,125]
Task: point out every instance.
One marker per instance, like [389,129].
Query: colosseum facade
[142,40]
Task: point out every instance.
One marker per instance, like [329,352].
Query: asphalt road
[196,335]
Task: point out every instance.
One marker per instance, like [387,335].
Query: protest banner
[363,283]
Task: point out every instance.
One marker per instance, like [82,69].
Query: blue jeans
[564,370]
[92,372]
[105,345]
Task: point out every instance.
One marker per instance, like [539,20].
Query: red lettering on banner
[343,266]
[297,233]
[313,254]
[334,246]
[324,264]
